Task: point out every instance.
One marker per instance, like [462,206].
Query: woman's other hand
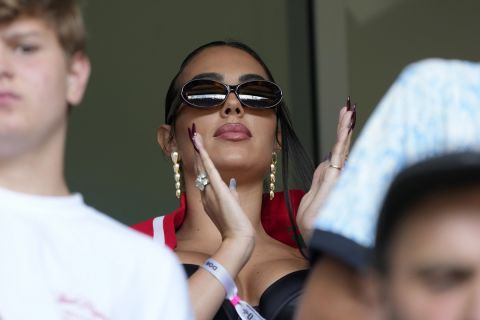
[327,172]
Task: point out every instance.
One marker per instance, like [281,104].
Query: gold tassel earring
[273,171]
[176,173]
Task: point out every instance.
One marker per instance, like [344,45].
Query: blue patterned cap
[433,108]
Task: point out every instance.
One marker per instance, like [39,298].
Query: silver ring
[202,181]
[334,166]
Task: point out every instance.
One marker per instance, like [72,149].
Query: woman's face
[237,138]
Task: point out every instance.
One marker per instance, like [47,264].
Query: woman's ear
[165,139]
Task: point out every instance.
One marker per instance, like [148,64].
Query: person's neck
[38,172]
[197,224]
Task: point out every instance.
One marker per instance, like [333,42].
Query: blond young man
[59,258]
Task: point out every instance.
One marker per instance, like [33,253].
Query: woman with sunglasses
[226,127]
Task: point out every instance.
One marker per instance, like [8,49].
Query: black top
[278,301]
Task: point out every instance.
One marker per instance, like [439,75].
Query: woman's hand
[238,235]
[219,200]
[327,172]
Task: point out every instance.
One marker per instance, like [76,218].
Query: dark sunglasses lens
[259,94]
[204,93]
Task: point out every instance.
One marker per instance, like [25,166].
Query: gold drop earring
[273,171]
[176,173]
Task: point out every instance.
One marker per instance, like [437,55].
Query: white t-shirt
[60,259]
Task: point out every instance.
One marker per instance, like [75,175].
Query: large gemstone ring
[202,181]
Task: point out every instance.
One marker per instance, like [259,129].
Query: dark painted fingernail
[194,129]
[354,117]
[349,107]
[328,156]
[192,139]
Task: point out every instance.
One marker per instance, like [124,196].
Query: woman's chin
[240,165]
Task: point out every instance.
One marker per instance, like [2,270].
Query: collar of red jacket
[274,218]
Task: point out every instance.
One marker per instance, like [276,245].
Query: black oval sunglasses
[256,94]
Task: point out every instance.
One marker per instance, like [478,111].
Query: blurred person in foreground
[433,108]
[61,259]
[426,257]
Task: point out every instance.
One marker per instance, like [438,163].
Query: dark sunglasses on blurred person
[206,93]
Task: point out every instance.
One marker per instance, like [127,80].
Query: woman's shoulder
[163,228]
[145,227]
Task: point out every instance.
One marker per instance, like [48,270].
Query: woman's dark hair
[292,149]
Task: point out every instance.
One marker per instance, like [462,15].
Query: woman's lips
[7,98]
[233,132]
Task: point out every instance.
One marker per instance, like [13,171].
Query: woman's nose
[232,106]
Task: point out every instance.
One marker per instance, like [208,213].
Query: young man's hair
[63,16]
[432,177]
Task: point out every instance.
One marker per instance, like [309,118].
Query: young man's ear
[77,77]
[165,139]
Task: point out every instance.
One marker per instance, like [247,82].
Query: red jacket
[274,218]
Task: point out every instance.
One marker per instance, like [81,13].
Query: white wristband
[219,272]
[244,310]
